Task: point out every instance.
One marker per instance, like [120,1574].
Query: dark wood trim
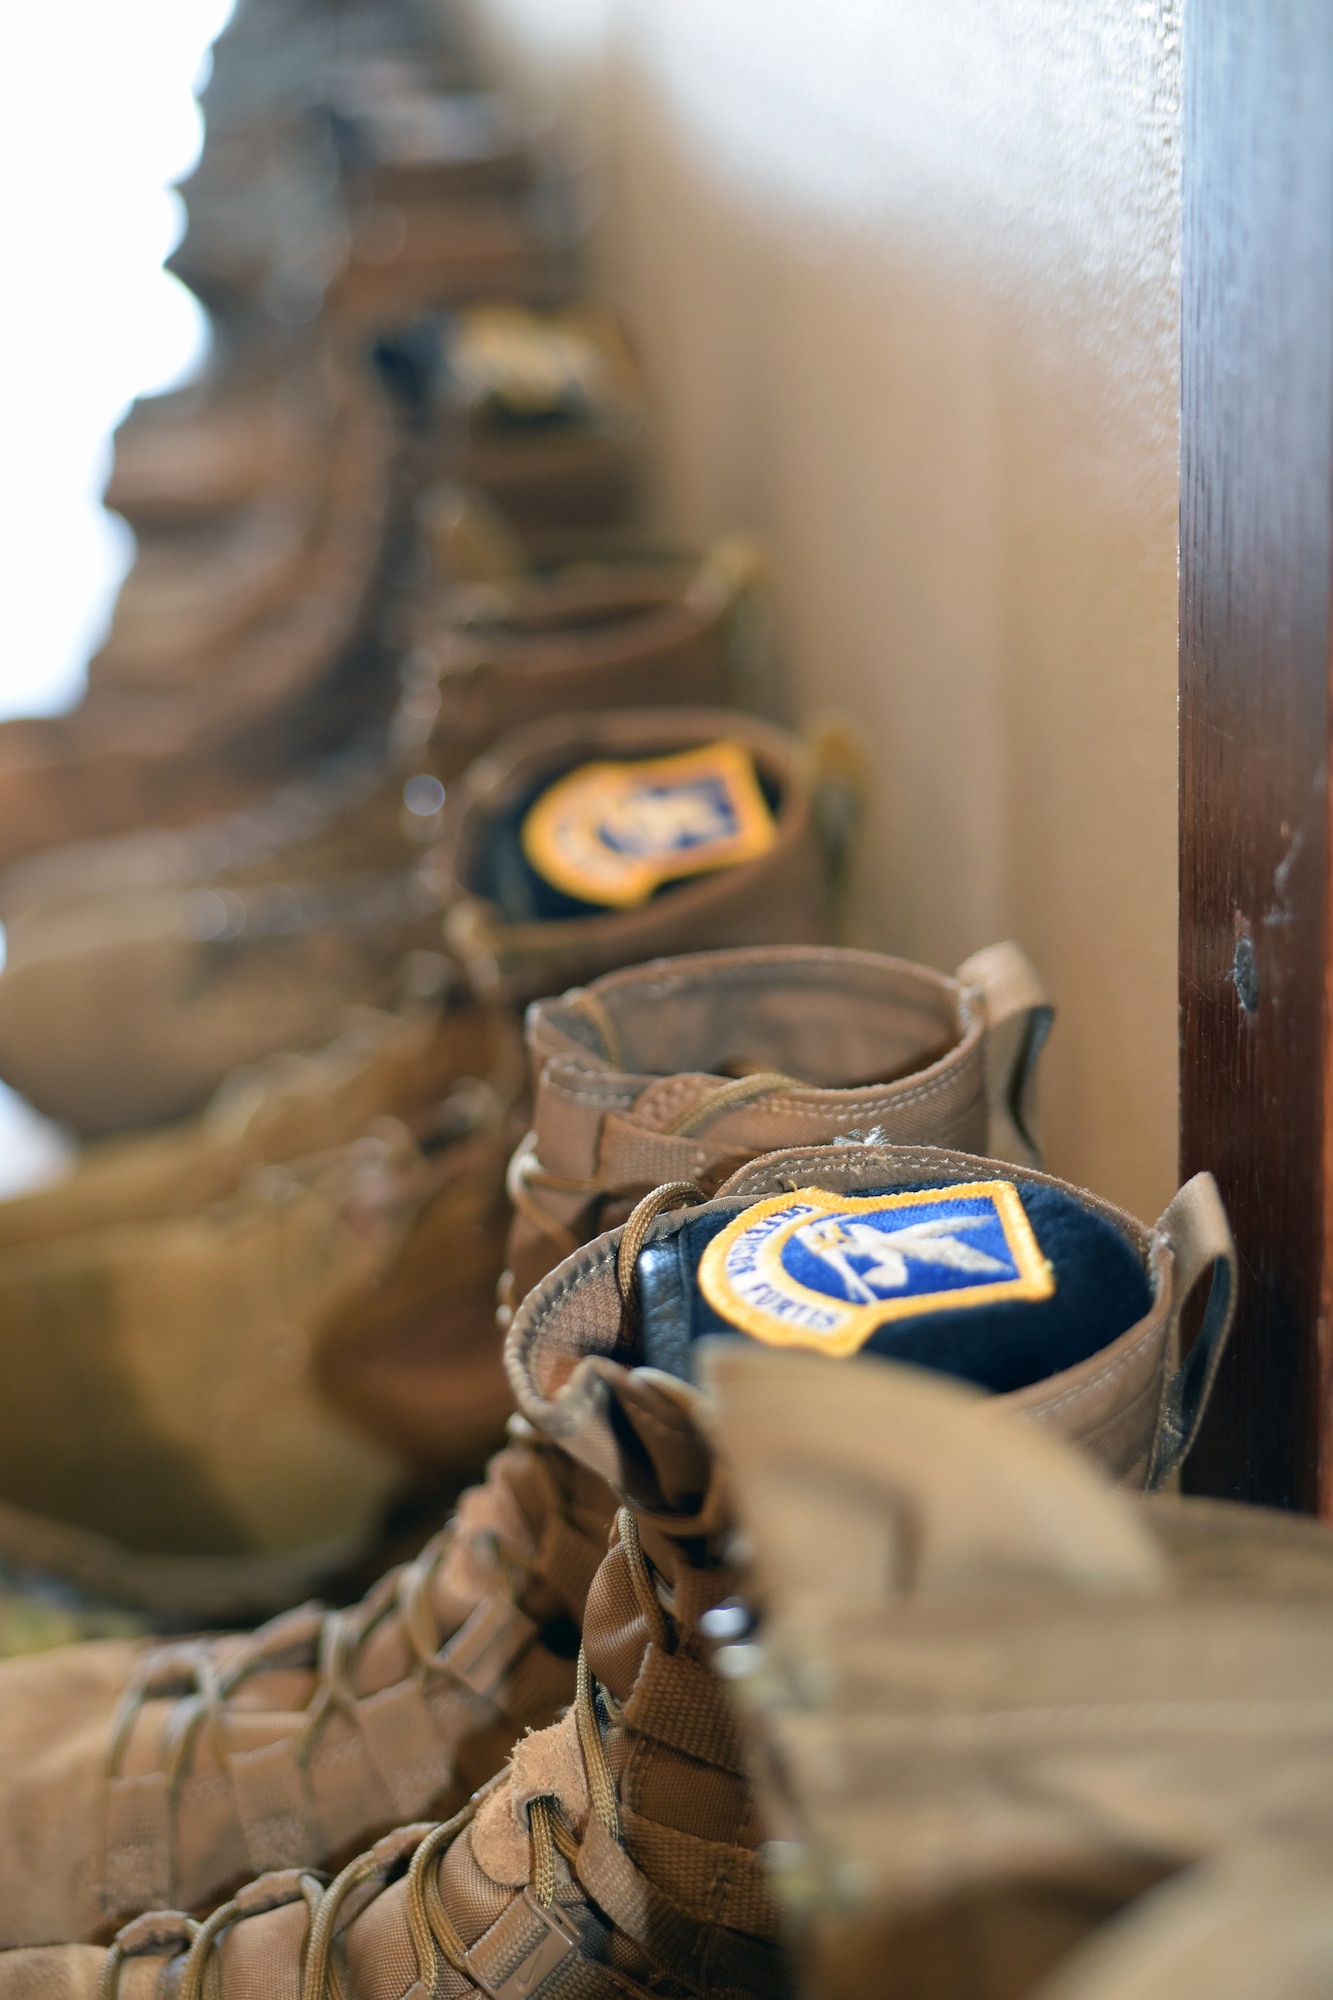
[1256,542]
[1323,1412]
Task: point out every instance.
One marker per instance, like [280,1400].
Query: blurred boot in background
[231,1352]
[343,147]
[134,1777]
[137,978]
[154,741]
[541,411]
[577,846]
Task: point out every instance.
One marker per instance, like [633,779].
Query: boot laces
[204,1687]
[526,1172]
[433,1933]
[194,1673]
[527,1177]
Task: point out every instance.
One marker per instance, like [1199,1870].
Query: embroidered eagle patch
[820,1270]
[613,833]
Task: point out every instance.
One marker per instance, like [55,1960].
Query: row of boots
[428,933]
[143,1779]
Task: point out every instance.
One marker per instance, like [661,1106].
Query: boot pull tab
[594,1010]
[1018,1020]
[839,781]
[735,576]
[1195,1226]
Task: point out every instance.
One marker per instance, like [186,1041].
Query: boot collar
[778,894]
[576,1362]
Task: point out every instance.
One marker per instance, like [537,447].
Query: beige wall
[905,275]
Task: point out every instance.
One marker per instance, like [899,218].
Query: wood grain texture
[1256,535]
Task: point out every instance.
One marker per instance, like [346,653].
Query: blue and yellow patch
[533,364]
[612,834]
[823,1271]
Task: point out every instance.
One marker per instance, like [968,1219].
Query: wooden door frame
[1256,552]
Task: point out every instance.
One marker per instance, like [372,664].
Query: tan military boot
[352,171]
[202,578]
[136,1777]
[484,657]
[298,680]
[128,1012]
[444,200]
[418,253]
[543,411]
[288,1107]
[415,153]
[493,656]
[550,409]
[619,1852]
[251,427]
[207,1408]
[137,978]
[580,845]
[191,597]
[165,1438]
[997,1703]
[684,1069]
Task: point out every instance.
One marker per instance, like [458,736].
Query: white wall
[905,275]
[98,117]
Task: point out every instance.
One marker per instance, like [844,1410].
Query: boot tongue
[1001,1283]
[667,1469]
